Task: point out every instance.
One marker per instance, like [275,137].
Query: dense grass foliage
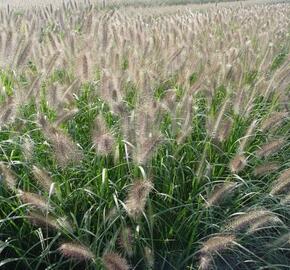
[145,141]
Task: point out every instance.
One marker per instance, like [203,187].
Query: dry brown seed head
[76,252]
[218,120]
[205,262]
[282,184]
[104,144]
[264,222]
[43,178]
[24,54]
[8,176]
[103,140]
[114,261]
[28,148]
[149,257]
[270,148]
[224,130]
[246,139]
[7,112]
[44,221]
[126,241]
[137,197]
[285,174]
[65,116]
[238,163]
[217,243]
[145,147]
[65,150]
[274,120]
[246,219]
[266,168]
[34,200]
[220,192]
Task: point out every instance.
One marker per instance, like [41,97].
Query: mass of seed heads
[112,51]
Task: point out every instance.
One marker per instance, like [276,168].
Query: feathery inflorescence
[274,121]
[28,148]
[282,184]
[246,219]
[220,193]
[212,246]
[262,223]
[238,163]
[246,139]
[270,148]
[43,178]
[38,219]
[137,197]
[76,252]
[114,261]
[34,200]
[49,221]
[7,112]
[225,130]
[64,148]
[126,240]
[103,140]
[217,243]
[266,168]
[8,176]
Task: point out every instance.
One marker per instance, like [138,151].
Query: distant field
[38,3]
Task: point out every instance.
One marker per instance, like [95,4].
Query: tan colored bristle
[24,54]
[76,252]
[225,129]
[217,243]
[286,200]
[103,140]
[145,148]
[266,168]
[7,112]
[49,222]
[65,150]
[137,197]
[238,163]
[246,139]
[43,178]
[263,223]
[218,121]
[65,116]
[104,144]
[274,121]
[149,257]
[282,184]
[246,219]
[28,148]
[9,178]
[284,175]
[270,148]
[43,221]
[219,193]
[282,240]
[126,241]
[34,200]
[205,262]
[113,261]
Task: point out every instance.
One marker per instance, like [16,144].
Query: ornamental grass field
[145,138]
